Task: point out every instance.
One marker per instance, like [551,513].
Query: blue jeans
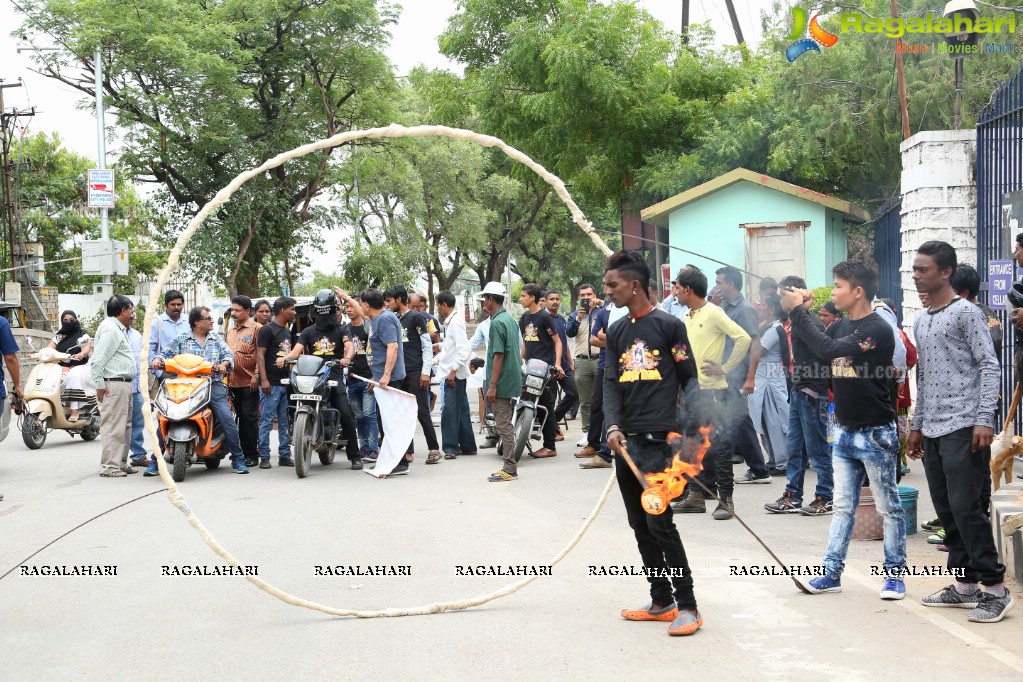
[364,406]
[874,451]
[274,405]
[808,440]
[137,445]
[455,422]
[221,409]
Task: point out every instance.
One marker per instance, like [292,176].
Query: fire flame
[668,484]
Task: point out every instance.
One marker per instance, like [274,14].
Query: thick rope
[175,496]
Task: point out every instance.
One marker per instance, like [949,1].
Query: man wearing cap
[504,375]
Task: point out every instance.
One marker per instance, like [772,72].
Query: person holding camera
[580,328]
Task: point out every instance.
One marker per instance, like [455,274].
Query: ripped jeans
[874,451]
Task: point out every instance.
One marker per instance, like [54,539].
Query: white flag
[399,413]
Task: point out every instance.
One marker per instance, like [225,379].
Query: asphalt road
[142,624]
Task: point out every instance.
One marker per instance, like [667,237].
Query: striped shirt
[212,348]
[112,356]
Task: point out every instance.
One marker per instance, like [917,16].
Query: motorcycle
[186,419]
[529,415]
[314,426]
[47,402]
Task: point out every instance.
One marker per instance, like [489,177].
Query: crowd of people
[783,388]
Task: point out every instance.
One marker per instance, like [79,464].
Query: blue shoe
[821,584]
[893,589]
[239,466]
[152,469]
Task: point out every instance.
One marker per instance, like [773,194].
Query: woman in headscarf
[72,339]
[769,404]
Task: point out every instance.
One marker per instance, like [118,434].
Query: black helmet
[325,303]
[1014,299]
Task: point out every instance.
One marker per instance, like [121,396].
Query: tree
[52,194]
[205,91]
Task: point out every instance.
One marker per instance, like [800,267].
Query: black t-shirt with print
[538,334]
[648,361]
[413,325]
[862,372]
[359,336]
[277,342]
[329,345]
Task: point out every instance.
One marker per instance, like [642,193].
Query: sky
[414,41]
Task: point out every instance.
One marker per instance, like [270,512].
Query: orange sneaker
[666,614]
[686,623]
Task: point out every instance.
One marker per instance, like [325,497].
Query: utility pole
[685,22]
[903,101]
[101,141]
[6,169]
[735,22]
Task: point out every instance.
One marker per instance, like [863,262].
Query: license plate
[306,396]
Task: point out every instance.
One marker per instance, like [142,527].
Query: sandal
[433,458]
[449,455]
[113,473]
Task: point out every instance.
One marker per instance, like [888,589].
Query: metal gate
[999,172]
[888,251]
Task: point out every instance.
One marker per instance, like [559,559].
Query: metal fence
[888,251]
[999,172]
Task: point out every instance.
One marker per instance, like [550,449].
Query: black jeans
[339,397]
[955,478]
[246,411]
[550,425]
[595,437]
[410,384]
[569,397]
[714,406]
[660,545]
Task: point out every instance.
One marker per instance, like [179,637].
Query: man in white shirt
[452,364]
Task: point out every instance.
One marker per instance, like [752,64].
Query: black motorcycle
[314,421]
[530,416]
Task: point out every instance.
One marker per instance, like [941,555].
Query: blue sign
[999,277]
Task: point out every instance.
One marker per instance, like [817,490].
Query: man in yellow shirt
[708,326]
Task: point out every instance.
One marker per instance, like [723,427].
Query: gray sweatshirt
[956,371]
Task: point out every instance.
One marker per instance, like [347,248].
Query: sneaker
[937,539]
[239,467]
[142,461]
[152,469]
[893,589]
[400,470]
[723,512]
[932,525]
[595,463]
[582,441]
[252,461]
[264,463]
[371,458]
[666,614]
[750,477]
[818,507]
[285,462]
[686,623]
[778,471]
[502,475]
[821,584]
[991,609]
[786,504]
[356,464]
[950,597]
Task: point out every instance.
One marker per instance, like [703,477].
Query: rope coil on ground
[175,496]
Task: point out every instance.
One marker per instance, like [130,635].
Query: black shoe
[819,507]
[400,470]
[357,464]
[751,477]
[285,462]
[264,463]
[933,525]
[252,461]
[776,471]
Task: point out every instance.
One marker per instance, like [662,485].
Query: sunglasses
[206,319]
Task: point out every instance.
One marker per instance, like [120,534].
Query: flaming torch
[664,486]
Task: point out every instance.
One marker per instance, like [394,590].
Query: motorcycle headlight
[304,384]
[534,382]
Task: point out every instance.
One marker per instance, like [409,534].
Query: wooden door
[774,250]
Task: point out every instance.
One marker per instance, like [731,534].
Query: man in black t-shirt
[649,362]
[860,348]
[326,339]
[364,405]
[417,350]
[540,341]
[274,343]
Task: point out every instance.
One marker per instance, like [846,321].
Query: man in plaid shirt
[206,343]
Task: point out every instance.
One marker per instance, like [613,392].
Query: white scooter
[47,402]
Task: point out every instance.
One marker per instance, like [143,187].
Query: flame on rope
[666,485]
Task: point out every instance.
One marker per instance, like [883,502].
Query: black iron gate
[888,251]
[999,172]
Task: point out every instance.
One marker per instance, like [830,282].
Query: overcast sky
[58,107]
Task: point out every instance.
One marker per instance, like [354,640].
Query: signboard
[665,281]
[101,188]
[999,277]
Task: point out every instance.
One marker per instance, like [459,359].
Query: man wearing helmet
[326,338]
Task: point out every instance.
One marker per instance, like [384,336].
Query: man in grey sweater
[953,425]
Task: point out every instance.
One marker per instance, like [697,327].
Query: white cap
[494,289]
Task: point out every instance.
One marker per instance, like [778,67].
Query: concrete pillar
[939,201]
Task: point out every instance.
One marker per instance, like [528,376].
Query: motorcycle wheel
[180,452]
[327,457]
[302,437]
[523,426]
[33,431]
[212,462]
[89,434]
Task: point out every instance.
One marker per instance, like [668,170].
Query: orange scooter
[186,420]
